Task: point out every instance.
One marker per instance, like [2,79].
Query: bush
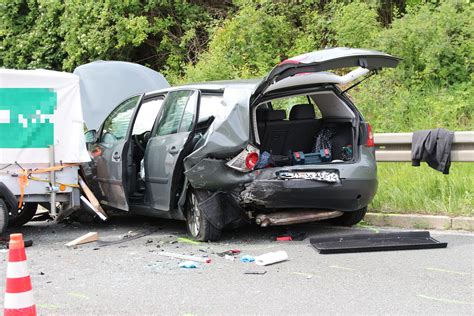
[355,24]
[246,46]
[393,108]
[435,43]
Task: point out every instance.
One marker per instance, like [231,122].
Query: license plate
[325,176]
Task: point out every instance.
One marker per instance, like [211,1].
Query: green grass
[422,190]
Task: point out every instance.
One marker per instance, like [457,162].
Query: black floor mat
[375,242]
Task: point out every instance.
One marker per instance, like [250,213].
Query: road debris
[284,238]
[89,237]
[189,241]
[231,258]
[295,236]
[256,272]
[386,241]
[4,243]
[230,252]
[91,200]
[247,258]
[184,257]
[127,237]
[188,265]
[271,258]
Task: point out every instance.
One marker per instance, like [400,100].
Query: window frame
[144,100]
[138,101]
[154,132]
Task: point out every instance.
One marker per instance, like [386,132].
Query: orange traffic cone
[18,292]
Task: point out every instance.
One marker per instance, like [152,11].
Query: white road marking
[447,271]
[445,300]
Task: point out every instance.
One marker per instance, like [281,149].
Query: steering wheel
[141,140]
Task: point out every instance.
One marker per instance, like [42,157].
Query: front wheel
[198,226]
[350,218]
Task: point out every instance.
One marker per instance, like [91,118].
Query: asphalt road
[131,278]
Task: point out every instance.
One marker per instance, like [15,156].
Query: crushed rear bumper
[348,195]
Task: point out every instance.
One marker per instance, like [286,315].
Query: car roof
[248,84]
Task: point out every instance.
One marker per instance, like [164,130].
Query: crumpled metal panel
[213,174]
[227,136]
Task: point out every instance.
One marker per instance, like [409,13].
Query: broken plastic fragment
[271,258]
[188,265]
[247,258]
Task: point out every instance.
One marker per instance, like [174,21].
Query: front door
[164,152]
[110,152]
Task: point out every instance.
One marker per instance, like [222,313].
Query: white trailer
[41,143]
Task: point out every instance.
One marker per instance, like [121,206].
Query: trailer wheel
[24,215]
[3,216]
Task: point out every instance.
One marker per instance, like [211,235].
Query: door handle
[116,156]
[173,150]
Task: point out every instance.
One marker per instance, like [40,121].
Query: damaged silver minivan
[290,148]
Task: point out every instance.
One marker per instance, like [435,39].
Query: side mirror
[91,136]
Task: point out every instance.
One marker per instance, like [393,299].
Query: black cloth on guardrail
[434,147]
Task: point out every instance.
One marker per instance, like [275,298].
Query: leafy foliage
[247,45]
[211,40]
[30,34]
[62,35]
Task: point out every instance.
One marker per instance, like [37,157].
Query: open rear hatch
[324,60]
[302,138]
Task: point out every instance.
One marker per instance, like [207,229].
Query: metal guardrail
[397,147]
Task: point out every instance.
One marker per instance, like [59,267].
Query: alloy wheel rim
[195,217]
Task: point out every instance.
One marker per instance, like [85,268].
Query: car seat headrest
[267,115]
[302,112]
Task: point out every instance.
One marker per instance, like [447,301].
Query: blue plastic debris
[247,258]
[188,265]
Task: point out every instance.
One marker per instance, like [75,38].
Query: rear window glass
[211,105]
[287,103]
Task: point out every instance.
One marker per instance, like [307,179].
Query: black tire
[24,215]
[350,218]
[3,217]
[198,226]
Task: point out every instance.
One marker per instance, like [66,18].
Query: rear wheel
[24,214]
[198,226]
[350,218]
[3,216]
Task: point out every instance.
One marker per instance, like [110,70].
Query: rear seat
[267,121]
[303,128]
[267,115]
[282,136]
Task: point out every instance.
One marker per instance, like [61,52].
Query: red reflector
[370,136]
[251,160]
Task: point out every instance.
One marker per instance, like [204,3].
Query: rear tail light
[246,160]
[251,160]
[370,137]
